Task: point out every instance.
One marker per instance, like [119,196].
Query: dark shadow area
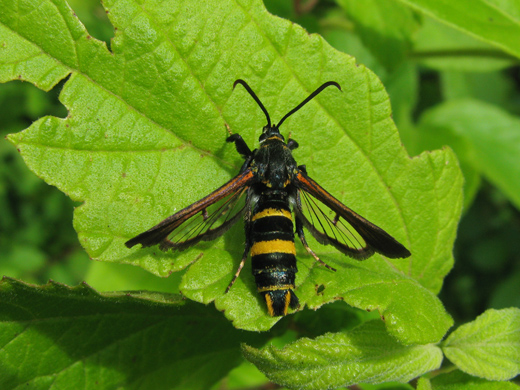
[37,240]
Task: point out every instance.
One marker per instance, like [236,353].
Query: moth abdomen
[273,253]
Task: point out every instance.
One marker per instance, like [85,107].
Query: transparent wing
[333,223]
[208,224]
[329,228]
[205,220]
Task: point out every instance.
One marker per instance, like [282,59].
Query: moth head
[270,131]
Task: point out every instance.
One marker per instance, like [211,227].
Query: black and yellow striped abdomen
[273,253]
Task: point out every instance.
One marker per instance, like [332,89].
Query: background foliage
[453,80]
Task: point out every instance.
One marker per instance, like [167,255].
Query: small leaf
[366,354]
[496,22]
[457,380]
[488,347]
[62,337]
[27,53]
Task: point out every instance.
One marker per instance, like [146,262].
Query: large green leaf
[145,136]
[58,337]
[366,354]
[493,21]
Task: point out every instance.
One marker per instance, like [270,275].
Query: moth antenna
[311,96]
[228,129]
[253,95]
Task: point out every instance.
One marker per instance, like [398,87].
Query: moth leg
[242,262]
[240,145]
[301,234]
[247,225]
[292,144]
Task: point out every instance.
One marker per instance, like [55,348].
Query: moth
[277,201]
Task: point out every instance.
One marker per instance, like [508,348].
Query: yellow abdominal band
[273,246]
[272,213]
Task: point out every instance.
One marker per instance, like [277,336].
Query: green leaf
[365,355]
[488,347]
[484,137]
[145,137]
[424,384]
[456,380]
[443,47]
[55,336]
[490,87]
[27,53]
[493,21]
[385,26]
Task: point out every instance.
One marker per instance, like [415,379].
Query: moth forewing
[195,222]
[352,234]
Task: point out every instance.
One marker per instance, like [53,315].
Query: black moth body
[271,229]
[268,191]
